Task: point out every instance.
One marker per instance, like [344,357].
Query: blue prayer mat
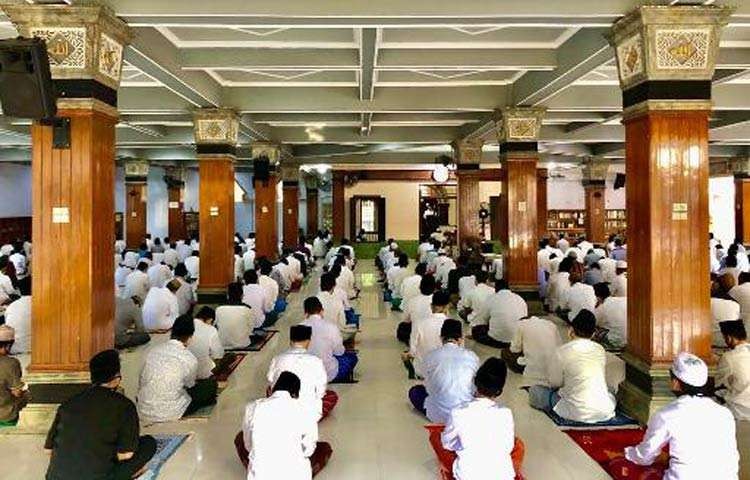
[280,305]
[166,446]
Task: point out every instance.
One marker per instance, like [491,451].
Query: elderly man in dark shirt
[95,435]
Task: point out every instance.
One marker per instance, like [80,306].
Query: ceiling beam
[368,56]
[297,59]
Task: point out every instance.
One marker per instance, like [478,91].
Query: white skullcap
[7,333]
[690,369]
[622,264]
[394,245]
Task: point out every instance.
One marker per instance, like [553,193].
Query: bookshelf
[570,222]
[615,221]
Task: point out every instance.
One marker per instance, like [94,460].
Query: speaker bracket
[60,131]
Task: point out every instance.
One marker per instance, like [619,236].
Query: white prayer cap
[622,264]
[7,333]
[130,261]
[394,246]
[690,369]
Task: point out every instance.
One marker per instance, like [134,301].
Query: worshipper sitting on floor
[310,370]
[271,288]
[443,270]
[741,294]
[239,264]
[13,392]
[497,320]
[577,382]
[279,438]
[18,259]
[161,308]
[345,279]
[96,433]
[192,263]
[333,308]
[481,431]
[254,296]
[234,320]
[129,329]
[394,277]
[699,432]
[592,258]
[185,295]
[156,246]
[579,296]
[18,316]
[168,387]
[248,259]
[619,286]
[410,285]
[448,374]
[476,297]
[425,335]
[137,284]
[349,313]
[206,345]
[611,315]
[171,257]
[419,307]
[122,272]
[733,373]
[723,307]
[619,252]
[559,285]
[159,274]
[593,274]
[327,343]
[462,270]
[535,341]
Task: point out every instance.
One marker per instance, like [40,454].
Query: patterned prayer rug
[166,446]
[228,368]
[257,345]
[619,422]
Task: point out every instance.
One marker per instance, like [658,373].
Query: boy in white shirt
[733,373]
[205,344]
[425,335]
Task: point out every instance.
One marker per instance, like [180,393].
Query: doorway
[437,207]
[367,218]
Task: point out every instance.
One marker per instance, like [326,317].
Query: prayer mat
[11,423]
[257,345]
[228,368]
[396,304]
[344,381]
[606,447]
[619,422]
[280,305]
[166,446]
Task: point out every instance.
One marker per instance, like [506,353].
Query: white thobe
[722,310]
[18,316]
[612,314]
[580,297]
[271,288]
[419,307]
[501,312]
[476,299]
[333,311]
[171,257]
[160,309]
[280,437]
[159,275]
[137,285]
[734,374]
[326,343]
[449,380]
[701,439]
[619,287]
[311,373]
[248,260]
[409,289]
[741,294]
[235,325]
[425,337]
[254,296]
[538,339]
[193,266]
[206,346]
[481,433]
[185,296]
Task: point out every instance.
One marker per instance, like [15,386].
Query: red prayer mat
[606,447]
[223,375]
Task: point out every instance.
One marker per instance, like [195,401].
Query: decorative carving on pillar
[468,155]
[216,131]
[666,57]
[290,178]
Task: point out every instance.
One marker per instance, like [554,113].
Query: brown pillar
[595,213]
[338,209]
[266,220]
[742,208]
[518,155]
[216,139]
[73,206]
[290,204]
[541,202]
[667,191]
[176,217]
[136,203]
[468,155]
[312,211]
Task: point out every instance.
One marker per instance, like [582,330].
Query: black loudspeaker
[619,181]
[261,169]
[26,89]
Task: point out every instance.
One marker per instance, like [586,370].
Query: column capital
[85,45]
[595,171]
[270,150]
[136,170]
[518,131]
[666,55]
[216,131]
[290,173]
[740,167]
[467,151]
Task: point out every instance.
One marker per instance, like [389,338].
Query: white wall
[244,212]
[15,190]
[567,193]
[721,208]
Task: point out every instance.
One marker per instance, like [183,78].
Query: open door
[367,218]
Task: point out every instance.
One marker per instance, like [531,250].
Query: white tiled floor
[374,432]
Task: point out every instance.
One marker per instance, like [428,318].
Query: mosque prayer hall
[375,240]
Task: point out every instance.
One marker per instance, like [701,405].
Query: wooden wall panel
[541,202]
[468,204]
[266,231]
[291,215]
[14,228]
[312,211]
[136,212]
[216,190]
[742,209]
[595,214]
[176,219]
[73,297]
[339,207]
[668,294]
[520,200]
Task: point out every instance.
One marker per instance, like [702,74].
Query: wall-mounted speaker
[26,88]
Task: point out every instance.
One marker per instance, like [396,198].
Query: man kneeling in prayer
[310,370]
[279,437]
[95,434]
[481,432]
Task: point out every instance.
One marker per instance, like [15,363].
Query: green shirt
[10,379]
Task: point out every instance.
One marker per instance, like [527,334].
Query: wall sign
[521,206]
[214,211]
[679,211]
[60,215]
[174,205]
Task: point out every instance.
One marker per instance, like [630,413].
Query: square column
[312,205]
[594,183]
[216,140]
[176,206]
[468,155]
[519,133]
[338,208]
[266,221]
[290,203]
[541,201]
[136,203]
[666,58]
